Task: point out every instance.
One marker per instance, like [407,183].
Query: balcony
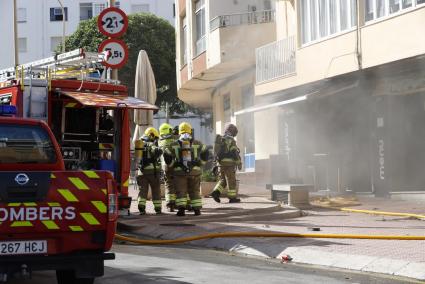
[229,49]
[276,60]
[260,17]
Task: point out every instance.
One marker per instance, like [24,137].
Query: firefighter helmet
[185,127]
[151,132]
[230,129]
[165,129]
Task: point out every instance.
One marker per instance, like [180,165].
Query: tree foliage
[147,32]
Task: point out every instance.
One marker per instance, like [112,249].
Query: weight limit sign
[116,53]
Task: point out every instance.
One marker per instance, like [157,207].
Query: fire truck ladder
[36,76]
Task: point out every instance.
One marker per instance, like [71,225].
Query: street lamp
[15,34]
[63,25]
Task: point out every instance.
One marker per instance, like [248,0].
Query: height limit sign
[112,22]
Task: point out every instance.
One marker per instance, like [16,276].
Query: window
[86,11]
[183,44]
[22,15]
[22,44]
[54,42]
[25,144]
[200,26]
[375,9]
[117,4]
[142,8]
[56,14]
[322,18]
[98,8]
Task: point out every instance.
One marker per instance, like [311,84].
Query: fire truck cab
[87,112]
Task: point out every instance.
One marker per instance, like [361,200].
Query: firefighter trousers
[188,185]
[170,189]
[144,181]
[227,177]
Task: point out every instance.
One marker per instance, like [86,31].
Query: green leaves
[147,32]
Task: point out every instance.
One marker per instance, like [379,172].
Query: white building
[40,26]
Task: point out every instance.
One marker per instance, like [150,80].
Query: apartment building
[340,97]
[40,26]
[215,58]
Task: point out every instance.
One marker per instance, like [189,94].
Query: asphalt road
[184,264]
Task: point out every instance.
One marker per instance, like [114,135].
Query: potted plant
[208,182]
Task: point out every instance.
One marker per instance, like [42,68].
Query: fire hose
[286,235]
[265,235]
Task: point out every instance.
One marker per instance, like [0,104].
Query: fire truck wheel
[68,277]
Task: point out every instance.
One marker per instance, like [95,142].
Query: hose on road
[265,235]
[373,212]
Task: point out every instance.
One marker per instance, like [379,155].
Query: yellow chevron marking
[100,206]
[70,105]
[105,146]
[76,228]
[54,204]
[104,191]
[52,176]
[21,224]
[68,195]
[78,183]
[90,219]
[30,204]
[14,204]
[51,225]
[91,174]
[126,182]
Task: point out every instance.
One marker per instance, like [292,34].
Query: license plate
[23,247]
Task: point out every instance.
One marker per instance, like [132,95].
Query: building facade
[340,97]
[40,26]
[215,59]
[337,99]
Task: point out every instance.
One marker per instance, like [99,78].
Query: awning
[109,101]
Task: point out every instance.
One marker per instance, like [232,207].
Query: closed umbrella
[145,89]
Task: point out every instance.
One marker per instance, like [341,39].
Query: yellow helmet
[165,129]
[150,131]
[185,127]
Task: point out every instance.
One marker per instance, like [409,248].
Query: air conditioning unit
[57,11]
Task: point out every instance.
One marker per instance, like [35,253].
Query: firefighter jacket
[186,157]
[150,163]
[165,143]
[226,151]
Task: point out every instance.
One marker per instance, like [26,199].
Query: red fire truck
[50,218]
[87,112]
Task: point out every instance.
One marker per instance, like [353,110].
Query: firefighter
[186,156]
[228,159]
[166,138]
[149,171]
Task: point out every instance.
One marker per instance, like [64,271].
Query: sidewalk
[257,213]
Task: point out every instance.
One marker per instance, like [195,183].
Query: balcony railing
[242,19]
[275,60]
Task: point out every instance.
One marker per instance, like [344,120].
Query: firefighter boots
[181,212]
[234,200]
[142,210]
[158,211]
[171,206]
[197,212]
[216,195]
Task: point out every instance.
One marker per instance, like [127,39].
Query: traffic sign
[112,22]
[116,52]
